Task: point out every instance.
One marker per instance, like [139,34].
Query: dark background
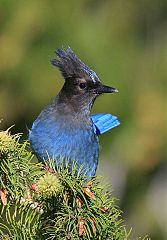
[125,42]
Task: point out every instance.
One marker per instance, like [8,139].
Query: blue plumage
[59,138]
[65,129]
[104,122]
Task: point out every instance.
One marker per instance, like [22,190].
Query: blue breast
[62,139]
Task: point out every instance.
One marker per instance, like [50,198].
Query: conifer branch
[44,201]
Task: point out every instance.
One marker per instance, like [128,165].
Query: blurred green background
[125,42]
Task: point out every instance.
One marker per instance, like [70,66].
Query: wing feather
[103,122]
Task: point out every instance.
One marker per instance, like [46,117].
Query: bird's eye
[82,85]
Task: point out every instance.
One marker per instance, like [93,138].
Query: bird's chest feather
[65,138]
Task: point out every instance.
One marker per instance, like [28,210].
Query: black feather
[71,66]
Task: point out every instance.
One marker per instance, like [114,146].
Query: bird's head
[82,85]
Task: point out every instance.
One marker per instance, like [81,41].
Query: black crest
[71,66]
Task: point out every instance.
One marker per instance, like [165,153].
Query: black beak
[105,89]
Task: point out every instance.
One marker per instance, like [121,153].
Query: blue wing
[104,122]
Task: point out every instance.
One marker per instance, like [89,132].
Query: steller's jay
[65,129]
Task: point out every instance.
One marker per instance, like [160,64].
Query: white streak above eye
[94,77]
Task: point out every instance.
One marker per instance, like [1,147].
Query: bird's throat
[73,105]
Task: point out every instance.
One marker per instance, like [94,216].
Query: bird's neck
[72,104]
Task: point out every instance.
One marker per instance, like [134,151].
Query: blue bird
[65,128]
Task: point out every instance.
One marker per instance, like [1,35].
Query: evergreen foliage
[41,201]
